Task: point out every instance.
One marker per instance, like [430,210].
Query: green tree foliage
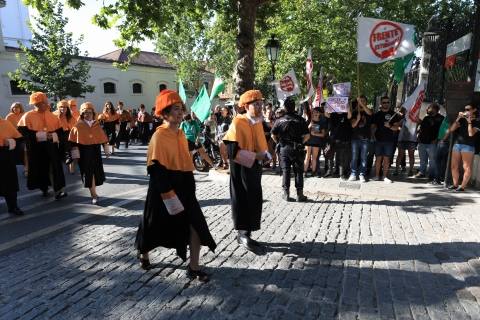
[48,64]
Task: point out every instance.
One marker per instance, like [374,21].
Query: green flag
[218,86]
[181,91]
[201,106]
[400,65]
[443,128]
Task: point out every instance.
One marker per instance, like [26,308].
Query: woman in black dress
[109,119]
[172,217]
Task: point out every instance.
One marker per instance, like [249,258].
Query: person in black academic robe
[41,130]
[9,136]
[245,136]
[172,217]
[87,137]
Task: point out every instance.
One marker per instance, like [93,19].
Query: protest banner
[342,89]
[287,86]
[337,104]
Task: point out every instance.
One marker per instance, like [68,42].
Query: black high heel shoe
[144,262]
[197,274]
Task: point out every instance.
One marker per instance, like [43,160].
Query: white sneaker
[352,178]
[94,201]
[386,180]
[362,178]
[376,178]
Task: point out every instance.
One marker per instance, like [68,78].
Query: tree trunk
[244,69]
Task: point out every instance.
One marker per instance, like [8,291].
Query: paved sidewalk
[400,251]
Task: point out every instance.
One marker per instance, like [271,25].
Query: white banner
[455,47]
[342,89]
[287,86]
[382,40]
[337,105]
[413,104]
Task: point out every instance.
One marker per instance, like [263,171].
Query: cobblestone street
[400,251]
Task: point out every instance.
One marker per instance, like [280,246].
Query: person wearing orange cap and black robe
[67,120]
[16,113]
[9,136]
[247,148]
[172,217]
[41,130]
[109,121]
[87,136]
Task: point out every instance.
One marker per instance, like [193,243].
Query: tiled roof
[144,58]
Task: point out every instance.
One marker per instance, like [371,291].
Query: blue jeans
[427,153]
[441,160]
[359,150]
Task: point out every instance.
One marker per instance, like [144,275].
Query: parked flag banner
[455,47]
[319,94]
[337,104]
[342,89]
[401,67]
[287,86]
[201,106]
[218,87]
[181,91]
[382,40]
[308,71]
[413,104]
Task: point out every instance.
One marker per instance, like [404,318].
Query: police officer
[291,132]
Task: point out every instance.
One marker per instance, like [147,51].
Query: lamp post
[272,49]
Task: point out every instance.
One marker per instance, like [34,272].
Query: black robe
[91,164]
[8,172]
[110,131]
[245,192]
[44,159]
[157,227]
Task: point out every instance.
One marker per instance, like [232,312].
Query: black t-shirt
[340,127]
[429,128]
[461,134]
[290,128]
[384,134]
[362,130]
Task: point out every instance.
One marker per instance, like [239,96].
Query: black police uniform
[290,130]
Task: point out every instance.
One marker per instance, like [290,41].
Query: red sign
[287,84]
[385,39]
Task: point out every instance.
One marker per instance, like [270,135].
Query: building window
[109,88]
[16,90]
[137,88]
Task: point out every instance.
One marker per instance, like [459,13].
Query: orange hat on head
[38,97]
[165,99]
[62,103]
[250,96]
[87,106]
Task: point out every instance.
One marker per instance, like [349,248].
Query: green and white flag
[181,91]
[218,86]
[201,106]
[401,66]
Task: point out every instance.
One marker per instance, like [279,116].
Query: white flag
[382,40]
[319,91]
[308,71]
[287,86]
[413,104]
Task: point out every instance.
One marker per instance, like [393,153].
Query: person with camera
[466,128]
[291,132]
[361,121]
[427,141]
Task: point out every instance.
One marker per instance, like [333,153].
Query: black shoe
[245,240]
[286,196]
[197,274]
[16,211]
[144,262]
[60,195]
[327,174]
[301,198]
[45,193]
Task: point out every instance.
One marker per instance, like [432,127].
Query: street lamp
[272,49]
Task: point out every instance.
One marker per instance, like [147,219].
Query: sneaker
[459,189]
[419,175]
[352,178]
[362,178]
[377,178]
[386,180]
[452,187]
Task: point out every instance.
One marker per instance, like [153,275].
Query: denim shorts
[457,147]
[384,149]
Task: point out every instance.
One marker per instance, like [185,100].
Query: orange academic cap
[165,99]
[87,106]
[38,97]
[250,96]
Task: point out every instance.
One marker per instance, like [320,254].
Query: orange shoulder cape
[7,131]
[40,121]
[14,118]
[249,136]
[66,124]
[108,117]
[170,149]
[82,133]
